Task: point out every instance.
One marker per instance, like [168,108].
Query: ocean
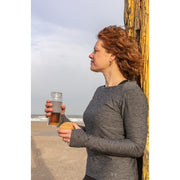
[42,118]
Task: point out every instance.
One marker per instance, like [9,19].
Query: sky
[63,34]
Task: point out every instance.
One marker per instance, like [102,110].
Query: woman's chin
[93,69]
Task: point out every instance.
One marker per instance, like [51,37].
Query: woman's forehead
[99,43]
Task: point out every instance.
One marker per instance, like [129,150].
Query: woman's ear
[112,57]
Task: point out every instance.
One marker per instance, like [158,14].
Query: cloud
[60,62]
[61,42]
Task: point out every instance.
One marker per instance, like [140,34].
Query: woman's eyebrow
[95,48]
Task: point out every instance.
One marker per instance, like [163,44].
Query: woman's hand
[66,133]
[49,108]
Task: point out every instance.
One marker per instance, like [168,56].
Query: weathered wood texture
[136,20]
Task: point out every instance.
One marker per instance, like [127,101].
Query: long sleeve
[63,119]
[135,127]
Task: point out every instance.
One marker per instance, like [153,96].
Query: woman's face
[100,59]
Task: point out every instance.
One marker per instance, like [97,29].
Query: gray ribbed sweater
[115,132]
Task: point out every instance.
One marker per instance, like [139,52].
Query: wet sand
[53,159]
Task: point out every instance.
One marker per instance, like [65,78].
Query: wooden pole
[136,20]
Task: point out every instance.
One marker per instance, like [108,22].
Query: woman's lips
[92,62]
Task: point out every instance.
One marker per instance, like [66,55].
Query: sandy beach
[53,159]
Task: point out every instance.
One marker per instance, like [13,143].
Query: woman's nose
[91,55]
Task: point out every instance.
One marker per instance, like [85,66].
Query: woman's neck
[113,77]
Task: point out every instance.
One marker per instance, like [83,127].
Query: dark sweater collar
[122,82]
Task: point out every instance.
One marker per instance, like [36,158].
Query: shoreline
[44,119]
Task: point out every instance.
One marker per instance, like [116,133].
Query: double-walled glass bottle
[56,100]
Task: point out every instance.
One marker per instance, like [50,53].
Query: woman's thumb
[76,126]
[63,107]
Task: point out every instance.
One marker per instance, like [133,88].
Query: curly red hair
[125,48]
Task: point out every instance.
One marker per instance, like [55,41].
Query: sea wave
[77,120]
[41,118]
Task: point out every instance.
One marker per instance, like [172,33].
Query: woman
[116,117]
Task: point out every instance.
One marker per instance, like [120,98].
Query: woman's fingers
[63,107]
[48,114]
[49,105]
[48,109]
[66,140]
[65,133]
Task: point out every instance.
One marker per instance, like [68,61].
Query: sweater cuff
[78,138]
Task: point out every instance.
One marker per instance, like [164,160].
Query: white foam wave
[44,119]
